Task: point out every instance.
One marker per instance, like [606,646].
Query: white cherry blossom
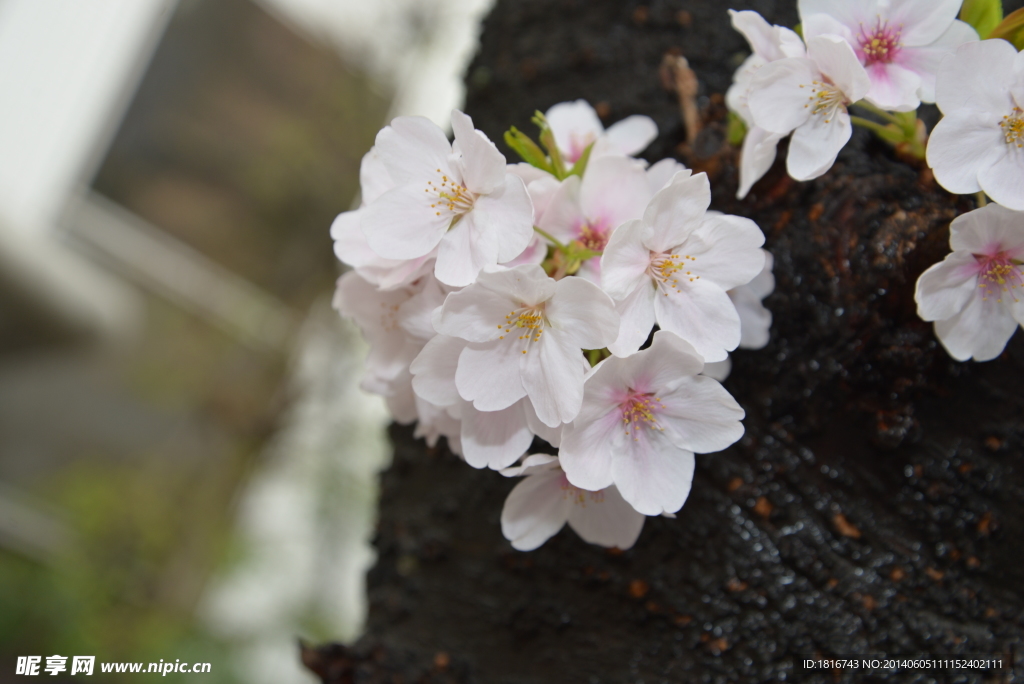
[808,97]
[351,245]
[979,143]
[526,333]
[539,506]
[769,43]
[899,42]
[459,200]
[675,266]
[612,191]
[642,419]
[974,295]
[576,125]
[489,439]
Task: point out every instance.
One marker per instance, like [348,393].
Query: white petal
[605,518]
[614,190]
[988,230]
[527,285]
[475,314]
[588,448]
[981,330]
[659,175]
[925,60]
[719,370]
[923,21]
[700,415]
[506,214]
[636,316]
[758,32]
[755,319]
[434,370]
[1004,180]
[961,146]
[756,157]
[563,216]
[727,250]
[402,225]
[488,375]
[551,435]
[350,245]
[836,59]
[534,463]
[574,125]
[779,94]
[653,474]
[703,315]
[483,166]
[958,86]
[848,13]
[815,145]
[944,289]
[893,87]
[583,314]
[464,251]
[625,261]
[374,179]
[662,366]
[412,148]
[494,439]
[676,211]
[553,378]
[632,135]
[535,510]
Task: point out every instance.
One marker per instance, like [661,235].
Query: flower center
[880,44]
[999,274]
[825,99]
[593,236]
[667,269]
[450,196]
[527,322]
[640,411]
[1013,127]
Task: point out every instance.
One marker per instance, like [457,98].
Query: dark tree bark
[873,507]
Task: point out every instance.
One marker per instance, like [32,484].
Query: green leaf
[737,130]
[1011,28]
[983,15]
[581,164]
[527,149]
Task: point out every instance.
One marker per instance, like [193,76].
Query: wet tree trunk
[874,506]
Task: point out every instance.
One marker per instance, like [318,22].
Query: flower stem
[872,126]
[981,199]
[881,113]
[547,236]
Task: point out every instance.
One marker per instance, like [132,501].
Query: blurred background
[187,467]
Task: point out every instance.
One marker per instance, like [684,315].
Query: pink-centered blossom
[458,199]
[899,42]
[350,243]
[613,190]
[975,295]
[979,143]
[768,43]
[675,267]
[642,419]
[808,97]
[575,126]
[526,332]
[544,501]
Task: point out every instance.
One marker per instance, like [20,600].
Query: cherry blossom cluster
[887,57]
[583,298]
[881,55]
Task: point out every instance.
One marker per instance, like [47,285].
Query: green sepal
[527,150]
[581,164]
[737,130]
[1011,28]
[983,15]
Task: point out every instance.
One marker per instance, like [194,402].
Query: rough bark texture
[875,503]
